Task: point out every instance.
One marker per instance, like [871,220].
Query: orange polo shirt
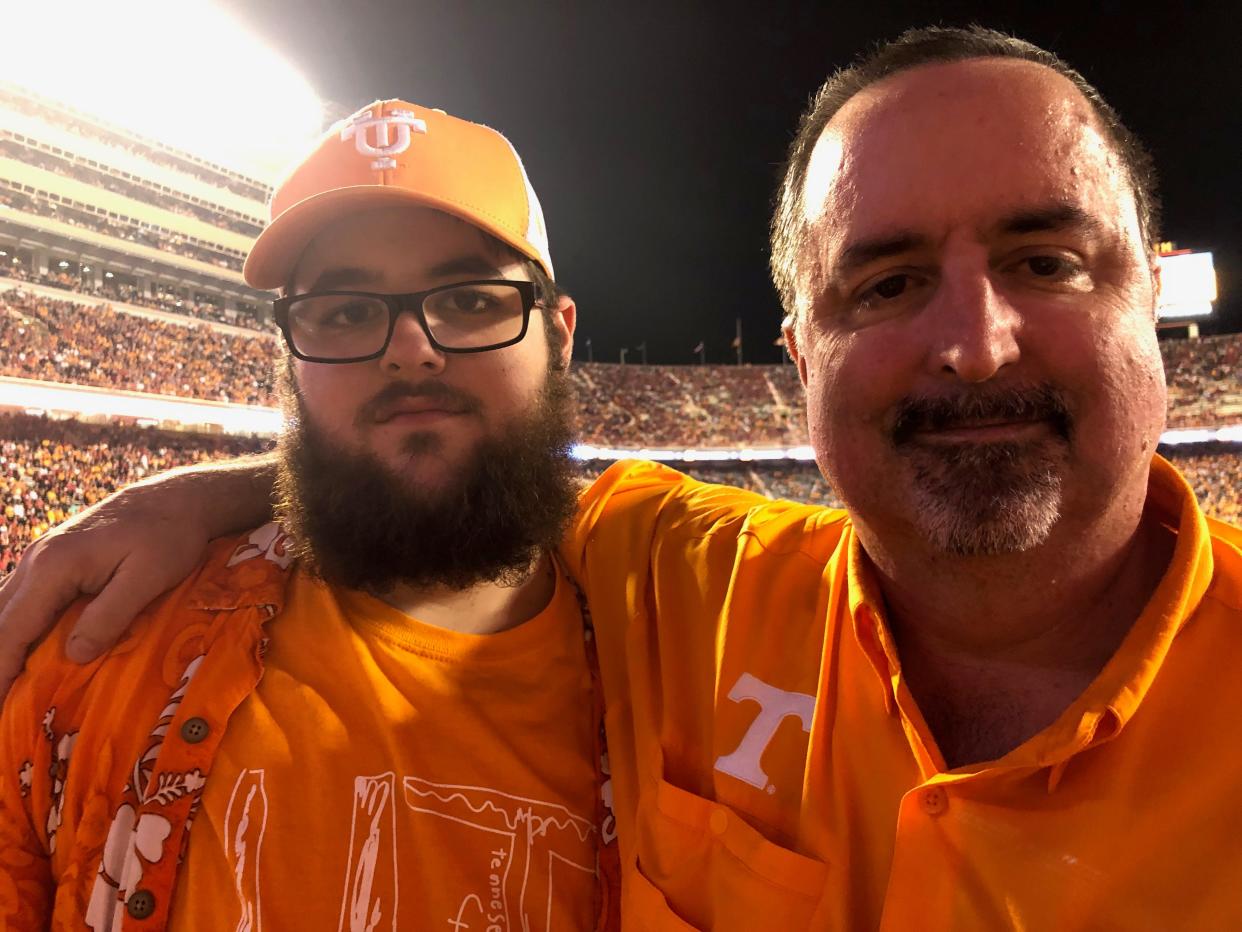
[772,772]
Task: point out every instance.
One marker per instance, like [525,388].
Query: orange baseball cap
[392,153]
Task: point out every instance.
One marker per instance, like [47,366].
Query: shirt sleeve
[625,507]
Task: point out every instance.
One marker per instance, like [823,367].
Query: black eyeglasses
[353,326]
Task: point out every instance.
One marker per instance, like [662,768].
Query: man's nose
[410,348]
[973,330]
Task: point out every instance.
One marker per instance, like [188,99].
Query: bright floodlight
[181,72]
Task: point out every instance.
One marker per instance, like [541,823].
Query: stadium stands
[125,293]
[50,470]
[63,341]
[56,121]
[134,189]
[676,407]
[77,214]
[1205,380]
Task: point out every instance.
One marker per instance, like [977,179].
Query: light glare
[182,73]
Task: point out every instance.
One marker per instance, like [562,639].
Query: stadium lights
[185,74]
[108,275]
[62,264]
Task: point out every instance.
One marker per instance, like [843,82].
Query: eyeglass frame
[397,304]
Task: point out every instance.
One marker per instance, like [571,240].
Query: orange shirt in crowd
[772,772]
[343,765]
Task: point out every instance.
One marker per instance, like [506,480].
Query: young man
[389,719]
[975,699]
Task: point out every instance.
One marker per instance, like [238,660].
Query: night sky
[654,132]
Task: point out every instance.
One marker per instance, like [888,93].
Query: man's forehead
[1002,84]
[995,131]
[376,247]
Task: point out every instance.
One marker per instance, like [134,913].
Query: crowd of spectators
[624,406]
[62,341]
[61,118]
[763,406]
[690,406]
[125,293]
[50,470]
[147,193]
[1205,379]
[1215,473]
[155,238]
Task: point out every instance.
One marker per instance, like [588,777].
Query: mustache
[1042,402]
[453,399]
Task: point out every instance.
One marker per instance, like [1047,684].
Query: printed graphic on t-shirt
[517,859]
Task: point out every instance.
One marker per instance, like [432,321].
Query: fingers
[131,589]
[26,613]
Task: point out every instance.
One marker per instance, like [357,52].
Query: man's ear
[789,327]
[564,321]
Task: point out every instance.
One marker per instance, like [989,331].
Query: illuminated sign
[1187,285]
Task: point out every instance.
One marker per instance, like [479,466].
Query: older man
[984,696]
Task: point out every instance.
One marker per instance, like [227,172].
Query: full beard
[358,524]
[985,499]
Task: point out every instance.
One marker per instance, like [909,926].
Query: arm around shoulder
[128,549]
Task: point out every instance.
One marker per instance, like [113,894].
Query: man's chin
[427,459]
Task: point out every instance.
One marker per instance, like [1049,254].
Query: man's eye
[1046,266]
[468,302]
[886,289]
[891,287]
[1055,267]
[357,313]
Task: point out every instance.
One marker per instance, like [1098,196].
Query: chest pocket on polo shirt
[703,867]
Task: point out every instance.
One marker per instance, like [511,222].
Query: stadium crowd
[1205,379]
[62,341]
[627,406]
[164,240]
[125,293]
[62,119]
[690,406]
[148,193]
[49,470]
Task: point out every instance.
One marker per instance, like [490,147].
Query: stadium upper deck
[84,198]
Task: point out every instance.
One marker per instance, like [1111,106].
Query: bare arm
[129,548]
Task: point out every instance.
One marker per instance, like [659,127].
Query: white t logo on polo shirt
[775,705]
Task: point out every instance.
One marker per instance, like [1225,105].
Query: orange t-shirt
[388,774]
[771,771]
